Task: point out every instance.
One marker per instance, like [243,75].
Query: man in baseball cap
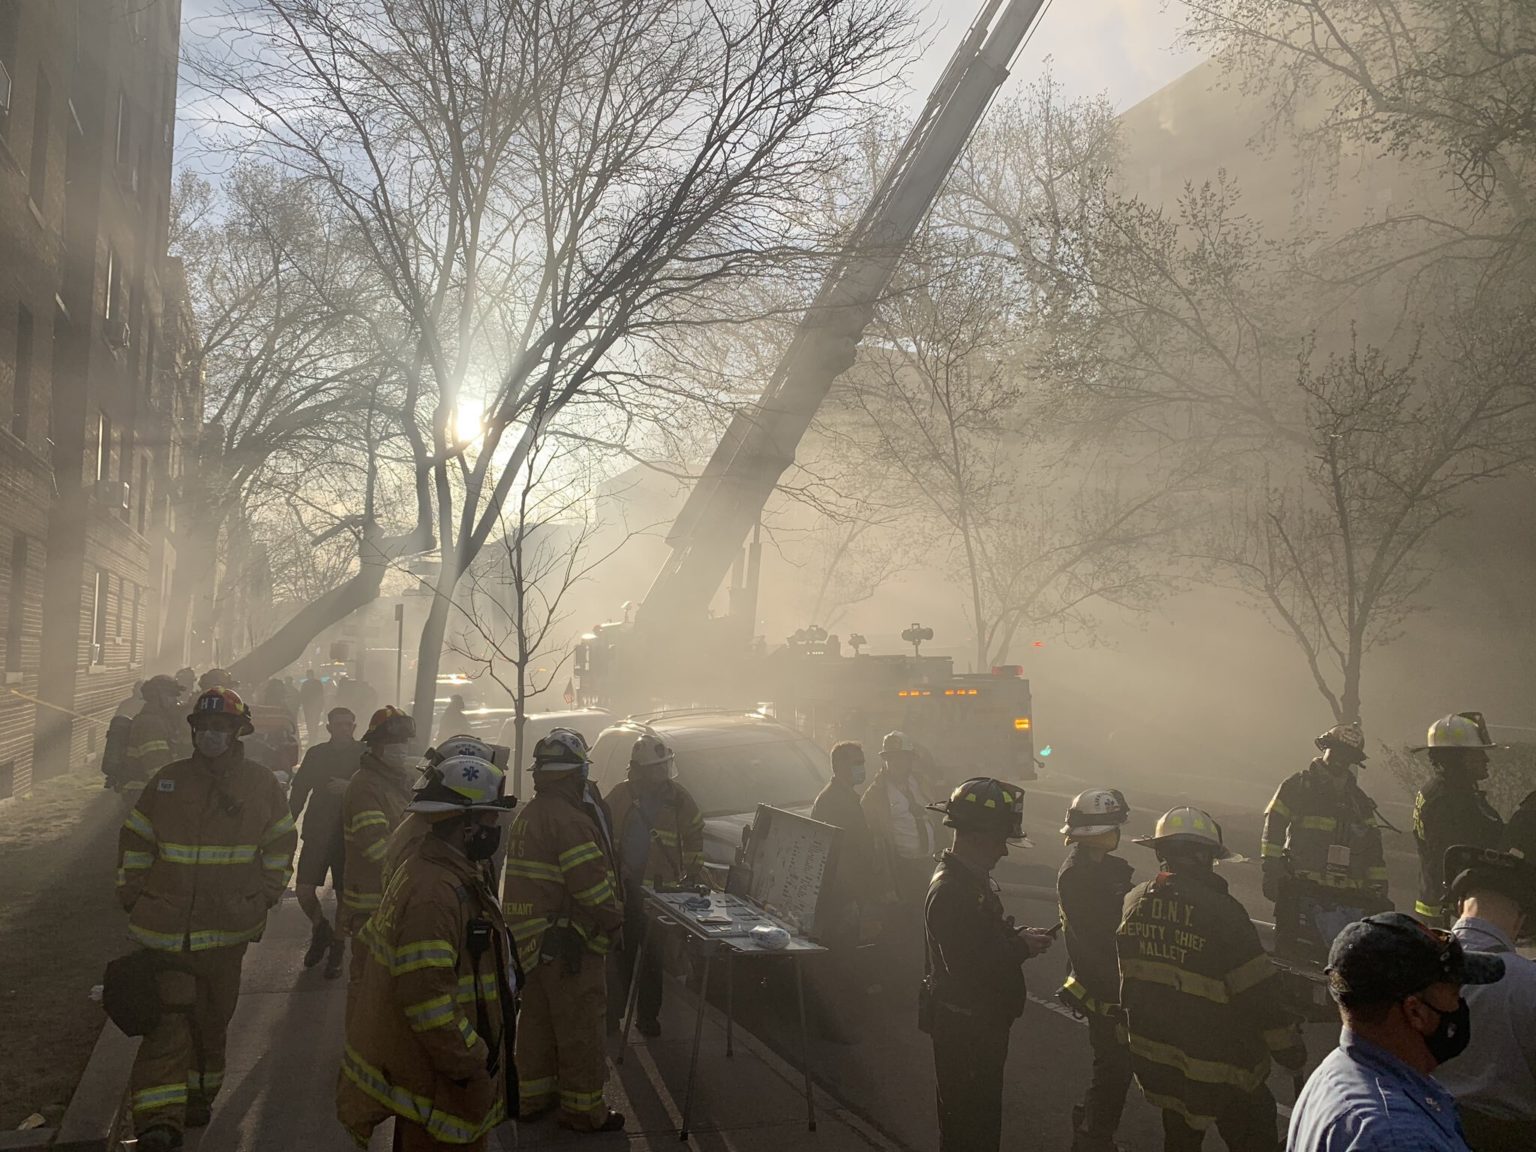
[1494,896]
[1398,986]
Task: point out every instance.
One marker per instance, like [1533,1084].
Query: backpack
[114,752]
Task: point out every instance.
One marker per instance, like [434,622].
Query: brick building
[97,364]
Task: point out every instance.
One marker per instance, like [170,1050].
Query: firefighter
[414,827]
[371,807]
[1202,1000]
[1090,891]
[1323,860]
[658,834]
[894,805]
[320,784]
[1451,808]
[156,736]
[973,986]
[217,678]
[203,856]
[431,1042]
[563,910]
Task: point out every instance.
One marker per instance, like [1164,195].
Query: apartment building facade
[98,366]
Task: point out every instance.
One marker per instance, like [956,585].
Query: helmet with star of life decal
[462,784]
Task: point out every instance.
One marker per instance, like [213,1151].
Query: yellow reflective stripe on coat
[534,870]
[1251,974]
[1180,979]
[139,825]
[441,1125]
[1320,823]
[372,818]
[147,747]
[581,1101]
[580,854]
[1201,1071]
[599,893]
[421,954]
[375,851]
[433,1013]
[360,901]
[467,1032]
[1424,909]
[490,990]
[1333,880]
[1084,999]
[1174,1104]
[1269,850]
[1277,806]
[137,861]
[195,854]
[280,827]
[200,941]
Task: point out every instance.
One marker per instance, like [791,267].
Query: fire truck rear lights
[1014,670]
[1021,723]
[906,692]
[961,692]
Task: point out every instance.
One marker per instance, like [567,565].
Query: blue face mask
[856,774]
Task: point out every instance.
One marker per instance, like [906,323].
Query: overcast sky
[1122,47]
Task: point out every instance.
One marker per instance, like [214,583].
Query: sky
[1120,47]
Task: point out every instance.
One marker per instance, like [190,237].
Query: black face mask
[1454,1032]
[482,841]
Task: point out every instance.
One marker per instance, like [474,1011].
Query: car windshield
[737,777]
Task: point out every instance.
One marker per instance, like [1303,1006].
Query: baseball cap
[1468,867]
[1391,955]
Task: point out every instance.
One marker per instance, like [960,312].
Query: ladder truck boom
[760,443]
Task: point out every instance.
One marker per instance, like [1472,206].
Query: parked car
[729,761]
[588,721]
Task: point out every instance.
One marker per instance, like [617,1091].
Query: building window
[103,446]
[37,179]
[133,626]
[16,609]
[99,620]
[21,391]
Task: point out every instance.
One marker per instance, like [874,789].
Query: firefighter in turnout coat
[658,835]
[430,1040]
[1090,891]
[371,807]
[562,905]
[156,735]
[205,853]
[1201,998]
[1451,808]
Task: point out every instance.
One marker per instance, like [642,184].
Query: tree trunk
[429,653]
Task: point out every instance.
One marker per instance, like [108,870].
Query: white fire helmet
[1095,812]
[1459,730]
[650,751]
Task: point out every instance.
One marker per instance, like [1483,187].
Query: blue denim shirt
[1364,1099]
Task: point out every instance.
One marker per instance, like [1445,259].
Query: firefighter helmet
[389,725]
[1347,738]
[651,751]
[1459,730]
[1468,868]
[222,702]
[898,742]
[217,678]
[563,750]
[1192,827]
[462,784]
[461,745]
[1095,812]
[161,687]
[983,804]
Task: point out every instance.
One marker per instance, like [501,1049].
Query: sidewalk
[285,1046]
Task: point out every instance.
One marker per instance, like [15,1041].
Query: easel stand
[721,931]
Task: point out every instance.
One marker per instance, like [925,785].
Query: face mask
[396,755]
[856,775]
[482,841]
[1454,1032]
[213,743]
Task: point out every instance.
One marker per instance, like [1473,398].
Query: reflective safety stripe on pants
[184,1055]
[414,1138]
[560,1051]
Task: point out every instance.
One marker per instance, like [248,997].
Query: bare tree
[1339,557]
[592,170]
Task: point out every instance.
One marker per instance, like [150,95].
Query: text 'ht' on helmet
[222,704]
[1095,813]
[1187,828]
[985,805]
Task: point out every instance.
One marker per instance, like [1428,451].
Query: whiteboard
[788,856]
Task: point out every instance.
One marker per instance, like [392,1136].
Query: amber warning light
[1021,723]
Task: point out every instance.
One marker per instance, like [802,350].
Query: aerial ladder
[759,445]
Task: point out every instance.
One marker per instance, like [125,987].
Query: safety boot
[336,951]
[320,937]
[158,1139]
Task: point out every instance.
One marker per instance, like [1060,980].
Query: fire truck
[673,652]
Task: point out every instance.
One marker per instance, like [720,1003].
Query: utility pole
[399,648]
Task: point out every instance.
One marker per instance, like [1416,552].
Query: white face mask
[213,743]
[396,755]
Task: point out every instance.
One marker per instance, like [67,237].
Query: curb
[95,1118]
